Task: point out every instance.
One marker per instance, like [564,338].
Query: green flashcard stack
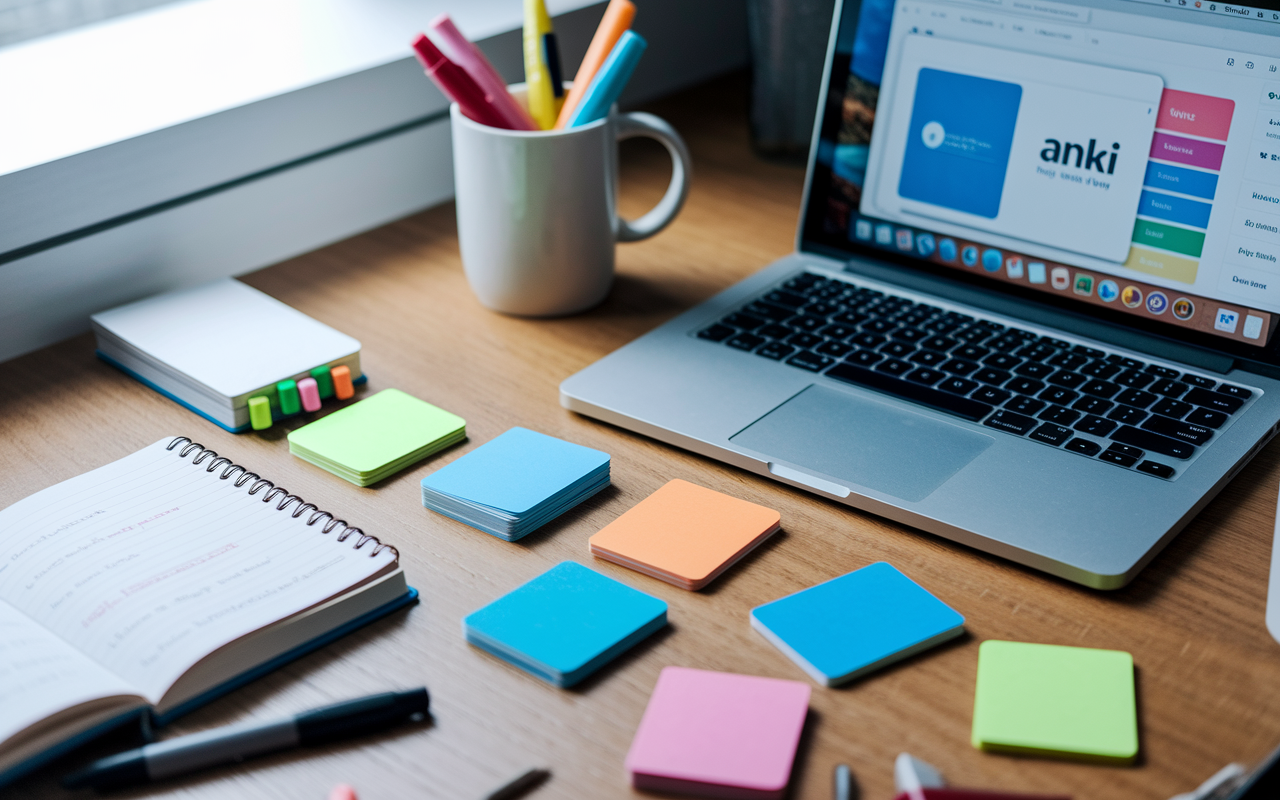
[1041,699]
[377,437]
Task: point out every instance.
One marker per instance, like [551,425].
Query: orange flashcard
[685,534]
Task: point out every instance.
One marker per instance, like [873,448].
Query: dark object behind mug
[788,43]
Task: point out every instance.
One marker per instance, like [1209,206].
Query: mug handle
[638,123]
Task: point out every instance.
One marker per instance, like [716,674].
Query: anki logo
[1060,153]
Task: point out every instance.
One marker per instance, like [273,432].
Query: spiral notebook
[159,581]
[213,347]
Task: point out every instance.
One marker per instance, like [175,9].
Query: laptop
[1034,299]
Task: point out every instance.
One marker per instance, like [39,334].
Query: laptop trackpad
[863,442]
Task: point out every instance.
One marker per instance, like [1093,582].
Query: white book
[156,582]
[212,347]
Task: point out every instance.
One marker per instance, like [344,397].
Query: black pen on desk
[236,743]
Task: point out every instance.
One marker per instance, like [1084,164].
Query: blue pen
[610,80]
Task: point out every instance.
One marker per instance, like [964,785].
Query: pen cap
[364,715]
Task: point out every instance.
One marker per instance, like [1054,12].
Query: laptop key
[1116,457]
[1154,442]
[1002,361]
[925,376]
[1099,388]
[804,339]
[746,322]
[1157,469]
[807,323]
[810,361]
[1178,429]
[958,366]
[898,349]
[837,331]
[1102,370]
[1171,408]
[1036,352]
[1058,343]
[822,308]
[1088,352]
[958,385]
[995,377]
[1011,422]
[1067,379]
[1059,415]
[849,318]
[1059,395]
[746,341]
[909,335]
[1083,446]
[1068,360]
[1134,379]
[784,298]
[1163,372]
[1032,369]
[1092,405]
[928,358]
[1125,362]
[834,349]
[894,366]
[1127,415]
[878,325]
[1218,401]
[1134,452]
[925,395]
[988,394]
[1024,405]
[776,351]
[1095,425]
[1136,398]
[939,343]
[1023,385]
[971,352]
[867,340]
[1196,380]
[865,358]
[1051,434]
[1235,391]
[1205,417]
[1168,388]
[769,311]
[716,333]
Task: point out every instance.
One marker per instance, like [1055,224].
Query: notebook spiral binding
[273,491]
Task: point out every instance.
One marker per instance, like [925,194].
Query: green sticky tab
[376,437]
[259,413]
[1167,237]
[1041,699]
[324,382]
[290,403]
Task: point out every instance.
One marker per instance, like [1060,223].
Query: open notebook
[160,581]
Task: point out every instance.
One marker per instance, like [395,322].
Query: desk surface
[1207,669]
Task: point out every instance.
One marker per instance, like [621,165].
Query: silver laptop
[1036,289]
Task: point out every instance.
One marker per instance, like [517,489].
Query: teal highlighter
[609,82]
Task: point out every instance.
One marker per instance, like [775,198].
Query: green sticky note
[324,381]
[1041,699]
[377,437]
[259,413]
[287,391]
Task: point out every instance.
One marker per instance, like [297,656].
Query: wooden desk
[1207,669]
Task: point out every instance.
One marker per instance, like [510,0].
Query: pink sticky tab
[703,732]
[310,394]
[1196,114]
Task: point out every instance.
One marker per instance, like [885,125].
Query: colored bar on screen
[1181,180]
[1174,209]
[1196,114]
[1167,237]
[1207,155]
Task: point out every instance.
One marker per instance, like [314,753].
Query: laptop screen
[1119,158]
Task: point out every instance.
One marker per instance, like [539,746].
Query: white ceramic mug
[537,210]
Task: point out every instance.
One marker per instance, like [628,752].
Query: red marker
[457,85]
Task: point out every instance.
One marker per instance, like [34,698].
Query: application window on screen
[1149,167]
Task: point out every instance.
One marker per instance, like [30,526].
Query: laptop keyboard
[1099,404]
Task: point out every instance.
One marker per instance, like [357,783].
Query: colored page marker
[289,400]
[309,393]
[617,19]
[324,381]
[610,80]
[342,387]
[259,413]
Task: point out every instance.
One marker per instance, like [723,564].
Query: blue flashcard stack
[857,623]
[566,623]
[516,483]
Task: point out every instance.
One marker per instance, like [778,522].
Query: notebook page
[41,675]
[151,562]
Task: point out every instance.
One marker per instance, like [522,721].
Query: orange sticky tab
[342,387]
[685,534]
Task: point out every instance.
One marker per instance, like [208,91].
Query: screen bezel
[812,239]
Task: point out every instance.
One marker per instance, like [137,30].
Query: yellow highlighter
[541,65]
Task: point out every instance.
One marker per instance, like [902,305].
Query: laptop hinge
[1041,315]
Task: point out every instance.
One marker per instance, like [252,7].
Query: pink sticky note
[310,394]
[718,734]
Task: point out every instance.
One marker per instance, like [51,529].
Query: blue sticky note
[516,471]
[959,141]
[566,623]
[852,625]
